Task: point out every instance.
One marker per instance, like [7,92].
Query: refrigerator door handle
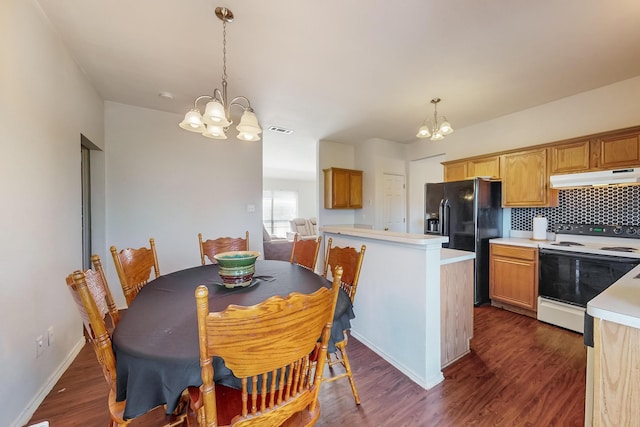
[441,216]
[446,213]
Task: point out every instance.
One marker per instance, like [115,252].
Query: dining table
[156,341]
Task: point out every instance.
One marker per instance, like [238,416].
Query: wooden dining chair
[274,349]
[98,279]
[91,292]
[209,248]
[351,261]
[305,252]
[134,268]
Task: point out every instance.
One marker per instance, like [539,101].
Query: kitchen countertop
[620,302]
[450,256]
[518,241]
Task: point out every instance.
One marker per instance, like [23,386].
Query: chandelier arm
[195,103]
[236,101]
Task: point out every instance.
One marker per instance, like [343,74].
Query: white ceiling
[351,70]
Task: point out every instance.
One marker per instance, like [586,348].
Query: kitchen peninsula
[613,364]
[399,311]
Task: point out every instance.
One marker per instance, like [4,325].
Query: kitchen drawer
[510,251]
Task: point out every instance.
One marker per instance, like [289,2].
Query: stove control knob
[617,230]
[631,231]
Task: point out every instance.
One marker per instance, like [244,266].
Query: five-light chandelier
[434,130]
[216,119]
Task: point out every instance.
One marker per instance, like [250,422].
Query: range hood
[597,178]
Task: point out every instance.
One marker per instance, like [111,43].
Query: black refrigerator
[470,213]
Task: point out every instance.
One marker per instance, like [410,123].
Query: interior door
[394,203]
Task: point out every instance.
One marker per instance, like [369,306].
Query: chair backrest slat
[305,252]
[351,262]
[134,268]
[211,247]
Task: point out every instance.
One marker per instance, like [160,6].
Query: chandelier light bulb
[193,121]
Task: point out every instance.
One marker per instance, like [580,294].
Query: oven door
[576,278]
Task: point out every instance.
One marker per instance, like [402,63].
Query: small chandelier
[434,130]
[216,119]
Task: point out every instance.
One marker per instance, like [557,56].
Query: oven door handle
[595,257]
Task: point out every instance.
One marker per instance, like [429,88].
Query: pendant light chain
[224,49]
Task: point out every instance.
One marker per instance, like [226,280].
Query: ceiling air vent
[278,129]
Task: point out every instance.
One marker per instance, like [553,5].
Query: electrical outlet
[50,336]
[39,346]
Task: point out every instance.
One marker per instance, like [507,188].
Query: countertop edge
[518,241]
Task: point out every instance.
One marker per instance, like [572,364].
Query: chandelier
[434,130]
[216,119]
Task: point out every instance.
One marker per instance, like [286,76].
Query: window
[278,208]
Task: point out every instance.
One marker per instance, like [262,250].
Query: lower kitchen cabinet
[513,278]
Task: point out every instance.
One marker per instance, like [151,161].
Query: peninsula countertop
[620,302]
[389,236]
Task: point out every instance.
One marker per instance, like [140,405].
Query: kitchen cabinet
[570,157]
[342,188]
[615,151]
[513,278]
[455,171]
[456,310]
[525,180]
[485,166]
[488,166]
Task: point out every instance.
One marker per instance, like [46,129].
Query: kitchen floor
[520,372]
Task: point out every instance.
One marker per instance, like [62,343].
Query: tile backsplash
[589,205]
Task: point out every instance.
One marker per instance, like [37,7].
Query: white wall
[307,193]
[165,183]
[377,157]
[607,108]
[46,103]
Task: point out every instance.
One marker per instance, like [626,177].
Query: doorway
[85,177]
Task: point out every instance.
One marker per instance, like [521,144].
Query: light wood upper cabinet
[455,171]
[525,181]
[342,188]
[485,166]
[616,151]
[471,168]
[513,275]
[569,158]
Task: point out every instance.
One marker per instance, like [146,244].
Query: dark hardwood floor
[520,372]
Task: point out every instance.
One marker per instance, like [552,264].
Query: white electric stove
[584,260]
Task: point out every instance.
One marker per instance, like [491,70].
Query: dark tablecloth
[156,341]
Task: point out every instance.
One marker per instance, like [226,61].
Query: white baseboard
[425,383]
[30,409]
